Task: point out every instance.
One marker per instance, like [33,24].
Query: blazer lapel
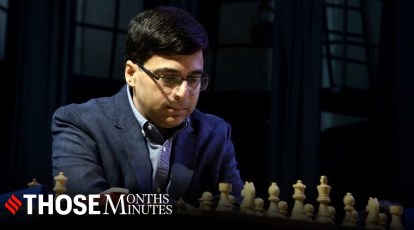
[184,160]
[136,148]
[139,158]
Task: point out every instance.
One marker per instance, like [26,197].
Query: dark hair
[163,31]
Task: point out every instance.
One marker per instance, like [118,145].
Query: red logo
[13,204]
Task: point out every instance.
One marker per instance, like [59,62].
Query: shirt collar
[142,120]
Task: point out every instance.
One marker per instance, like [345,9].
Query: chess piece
[259,206]
[181,206]
[332,213]
[349,218]
[225,204]
[383,221]
[355,217]
[231,200]
[373,210]
[309,209]
[206,201]
[282,207]
[33,183]
[298,211]
[249,195]
[324,189]
[274,192]
[396,212]
[60,182]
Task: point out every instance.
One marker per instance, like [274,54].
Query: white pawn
[332,213]
[383,221]
[33,183]
[298,211]
[309,209]
[225,203]
[396,212]
[60,183]
[231,200]
[274,192]
[324,189]
[181,205]
[259,207]
[206,201]
[355,217]
[283,208]
[349,218]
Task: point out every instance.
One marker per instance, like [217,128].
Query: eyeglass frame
[155,77]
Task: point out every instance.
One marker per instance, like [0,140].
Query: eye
[193,80]
[170,79]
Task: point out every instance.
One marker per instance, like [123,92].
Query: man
[121,141]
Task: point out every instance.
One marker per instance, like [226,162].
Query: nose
[181,90]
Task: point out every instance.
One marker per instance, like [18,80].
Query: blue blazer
[99,144]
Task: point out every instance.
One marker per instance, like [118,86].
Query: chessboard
[252,212]
[275,212]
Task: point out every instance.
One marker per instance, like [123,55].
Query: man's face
[165,107]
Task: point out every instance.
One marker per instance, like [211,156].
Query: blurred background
[310,87]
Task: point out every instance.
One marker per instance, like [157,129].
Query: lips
[179,108]
[176,109]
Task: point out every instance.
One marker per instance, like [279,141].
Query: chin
[174,122]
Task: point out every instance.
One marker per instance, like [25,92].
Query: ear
[131,70]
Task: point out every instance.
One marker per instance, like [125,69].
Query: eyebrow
[171,70]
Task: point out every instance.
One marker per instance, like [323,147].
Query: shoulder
[79,109]
[93,108]
[206,117]
[208,122]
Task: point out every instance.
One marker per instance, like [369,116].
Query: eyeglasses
[173,80]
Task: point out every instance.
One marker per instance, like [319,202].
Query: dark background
[276,128]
